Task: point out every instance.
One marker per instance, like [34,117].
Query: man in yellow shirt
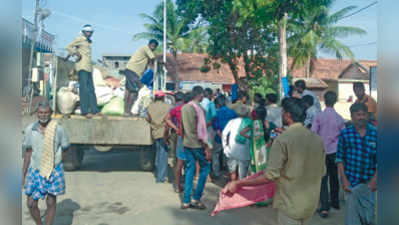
[81,49]
[297,165]
[362,97]
[135,68]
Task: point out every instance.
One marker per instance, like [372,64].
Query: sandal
[197,205]
[176,189]
[185,206]
[323,214]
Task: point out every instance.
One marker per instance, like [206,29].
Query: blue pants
[192,156]
[161,160]
[88,99]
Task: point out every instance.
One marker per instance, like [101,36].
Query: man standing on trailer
[135,68]
[81,49]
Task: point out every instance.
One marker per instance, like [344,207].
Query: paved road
[110,190]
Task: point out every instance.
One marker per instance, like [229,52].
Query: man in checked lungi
[45,143]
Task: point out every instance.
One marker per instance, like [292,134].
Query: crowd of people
[301,148]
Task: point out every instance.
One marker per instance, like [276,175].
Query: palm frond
[344,31]
[335,17]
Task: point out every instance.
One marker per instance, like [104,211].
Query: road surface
[111,190]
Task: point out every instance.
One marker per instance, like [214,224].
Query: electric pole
[32,50]
[164,46]
[283,53]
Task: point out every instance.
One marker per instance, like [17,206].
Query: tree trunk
[283,52]
[233,69]
[176,76]
[308,67]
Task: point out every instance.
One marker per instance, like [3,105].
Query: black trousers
[133,83]
[88,99]
[331,177]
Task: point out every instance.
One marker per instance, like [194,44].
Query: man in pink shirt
[328,125]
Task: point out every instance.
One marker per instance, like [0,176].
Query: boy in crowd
[223,116]
[311,110]
[274,112]
[328,125]
[173,120]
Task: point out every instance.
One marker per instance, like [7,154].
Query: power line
[358,11]
[103,26]
[365,44]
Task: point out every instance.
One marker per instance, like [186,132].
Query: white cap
[87,28]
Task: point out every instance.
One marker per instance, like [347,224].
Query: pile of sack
[110,93]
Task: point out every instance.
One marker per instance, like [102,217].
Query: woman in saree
[258,131]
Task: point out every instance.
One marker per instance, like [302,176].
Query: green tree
[233,43]
[196,41]
[317,31]
[246,31]
[176,27]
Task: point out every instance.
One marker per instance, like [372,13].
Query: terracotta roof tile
[188,66]
[329,68]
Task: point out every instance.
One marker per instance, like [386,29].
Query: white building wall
[188,85]
[345,90]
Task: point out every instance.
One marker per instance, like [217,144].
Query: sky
[115,22]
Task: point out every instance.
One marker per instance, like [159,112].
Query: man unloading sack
[135,68]
[80,47]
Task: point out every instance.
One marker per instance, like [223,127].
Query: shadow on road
[65,211]
[113,161]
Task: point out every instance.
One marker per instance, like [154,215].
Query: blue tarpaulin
[148,78]
[234,92]
[286,86]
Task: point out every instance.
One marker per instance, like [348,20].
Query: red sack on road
[245,196]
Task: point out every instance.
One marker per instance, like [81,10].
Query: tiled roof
[329,68]
[189,66]
[313,82]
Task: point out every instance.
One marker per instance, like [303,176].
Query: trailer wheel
[74,158]
[147,158]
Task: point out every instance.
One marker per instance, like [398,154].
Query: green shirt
[138,62]
[297,164]
[189,122]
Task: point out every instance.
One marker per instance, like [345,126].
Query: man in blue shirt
[223,116]
[357,163]
[210,112]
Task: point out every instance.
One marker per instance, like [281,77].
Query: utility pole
[283,53]
[164,46]
[33,43]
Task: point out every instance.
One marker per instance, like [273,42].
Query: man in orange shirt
[358,88]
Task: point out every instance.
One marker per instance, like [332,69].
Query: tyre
[73,158]
[147,158]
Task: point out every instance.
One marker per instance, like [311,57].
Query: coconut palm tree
[318,32]
[196,41]
[177,28]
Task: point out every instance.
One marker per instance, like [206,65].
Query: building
[44,44]
[186,71]
[337,75]
[115,61]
